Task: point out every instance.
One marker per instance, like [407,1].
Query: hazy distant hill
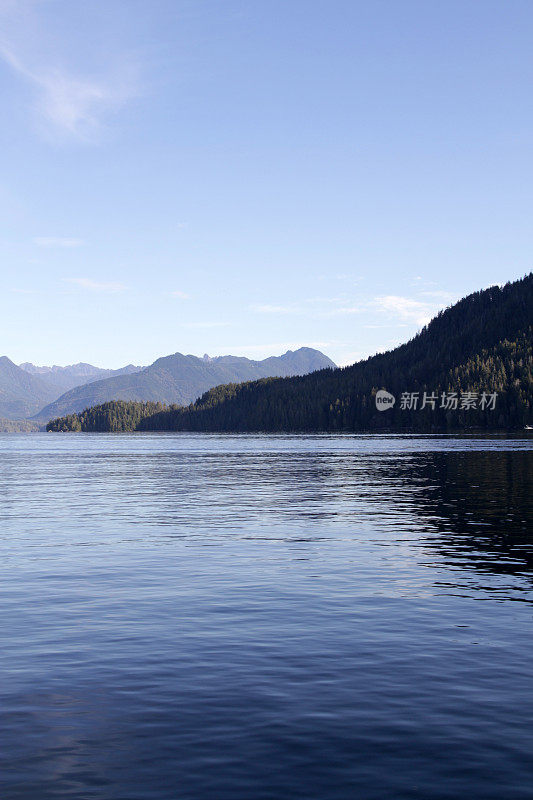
[20,426]
[64,378]
[182,378]
[26,389]
[21,394]
[481,346]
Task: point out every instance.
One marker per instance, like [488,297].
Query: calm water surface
[249,617]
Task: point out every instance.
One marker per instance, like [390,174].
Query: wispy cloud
[351,357]
[405,308]
[58,241]
[110,287]
[446,297]
[313,307]
[67,103]
[402,309]
[180,295]
[343,310]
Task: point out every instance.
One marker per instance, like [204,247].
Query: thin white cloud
[67,104]
[180,295]
[405,308]
[333,306]
[439,295]
[58,241]
[402,309]
[110,287]
[351,358]
[418,281]
[343,310]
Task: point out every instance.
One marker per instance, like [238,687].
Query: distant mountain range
[21,393]
[64,378]
[181,379]
[25,389]
[470,368]
[29,391]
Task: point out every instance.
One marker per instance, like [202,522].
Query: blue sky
[249,176]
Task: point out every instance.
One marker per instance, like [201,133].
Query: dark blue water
[229,617]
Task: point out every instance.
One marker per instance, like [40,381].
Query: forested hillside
[479,349]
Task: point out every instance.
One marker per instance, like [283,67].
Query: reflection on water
[190,616]
[482,505]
